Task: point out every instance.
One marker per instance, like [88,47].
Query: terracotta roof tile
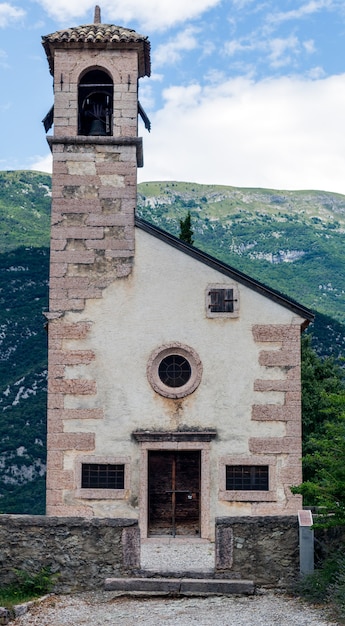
[103,35]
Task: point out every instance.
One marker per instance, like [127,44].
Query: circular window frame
[161,353]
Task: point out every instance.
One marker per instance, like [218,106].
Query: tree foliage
[322,380]
[325,463]
[186,231]
[323,411]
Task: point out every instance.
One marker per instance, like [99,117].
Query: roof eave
[142,47]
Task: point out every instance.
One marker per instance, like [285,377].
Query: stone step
[181,586]
[169,573]
[185,573]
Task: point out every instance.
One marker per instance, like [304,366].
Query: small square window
[102,476]
[222,301]
[246,478]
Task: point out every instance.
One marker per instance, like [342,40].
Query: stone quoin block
[82,413]
[71,441]
[66,305]
[279,358]
[276,333]
[73,232]
[55,459]
[73,256]
[54,497]
[55,401]
[79,330]
[294,429]
[58,479]
[74,387]
[276,385]
[274,445]
[55,425]
[71,357]
[56,370]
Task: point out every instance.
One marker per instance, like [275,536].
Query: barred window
[246,478]
[102,476]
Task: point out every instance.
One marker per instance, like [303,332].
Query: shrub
[27,587]
[327,584]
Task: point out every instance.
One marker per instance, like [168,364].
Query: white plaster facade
[163,301]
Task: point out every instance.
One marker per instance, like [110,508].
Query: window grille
[102,476]
[174,370]
[247,477]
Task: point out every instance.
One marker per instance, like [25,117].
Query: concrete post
[306,542]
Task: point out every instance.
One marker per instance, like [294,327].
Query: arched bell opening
[95,103]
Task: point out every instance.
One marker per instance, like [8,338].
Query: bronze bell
[97,127]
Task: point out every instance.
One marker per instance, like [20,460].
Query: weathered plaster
[163,301]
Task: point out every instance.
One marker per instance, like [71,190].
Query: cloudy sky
[248,93]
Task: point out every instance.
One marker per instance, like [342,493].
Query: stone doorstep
[181,585]
[186,573]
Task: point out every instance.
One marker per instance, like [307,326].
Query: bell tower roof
[99,36]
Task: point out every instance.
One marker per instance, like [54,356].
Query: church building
[174,391]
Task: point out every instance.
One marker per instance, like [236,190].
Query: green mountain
[25,199]
[292,241]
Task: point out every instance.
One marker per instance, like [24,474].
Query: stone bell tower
[96,151]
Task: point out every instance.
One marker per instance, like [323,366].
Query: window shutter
[221,300]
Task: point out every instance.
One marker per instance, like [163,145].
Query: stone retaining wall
[263,549]
[83,552]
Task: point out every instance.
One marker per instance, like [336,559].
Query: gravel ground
[102,608]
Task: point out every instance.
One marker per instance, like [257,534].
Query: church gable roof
[226,270]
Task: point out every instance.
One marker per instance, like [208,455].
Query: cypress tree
[186,231]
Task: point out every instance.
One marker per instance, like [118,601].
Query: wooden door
[174,493]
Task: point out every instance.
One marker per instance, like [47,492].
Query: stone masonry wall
[92,244]
[280,353]
[82,552]
[93,206]
[263,549]
[94,190]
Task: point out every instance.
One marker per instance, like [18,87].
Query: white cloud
[171,52]
[241,4]
[316,73]
[303,11]
[281,133]
[309,46]
[234,46]
[151,14]
[280,49]
[42,164]
[9,13]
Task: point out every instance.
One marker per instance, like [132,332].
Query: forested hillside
[291,241]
